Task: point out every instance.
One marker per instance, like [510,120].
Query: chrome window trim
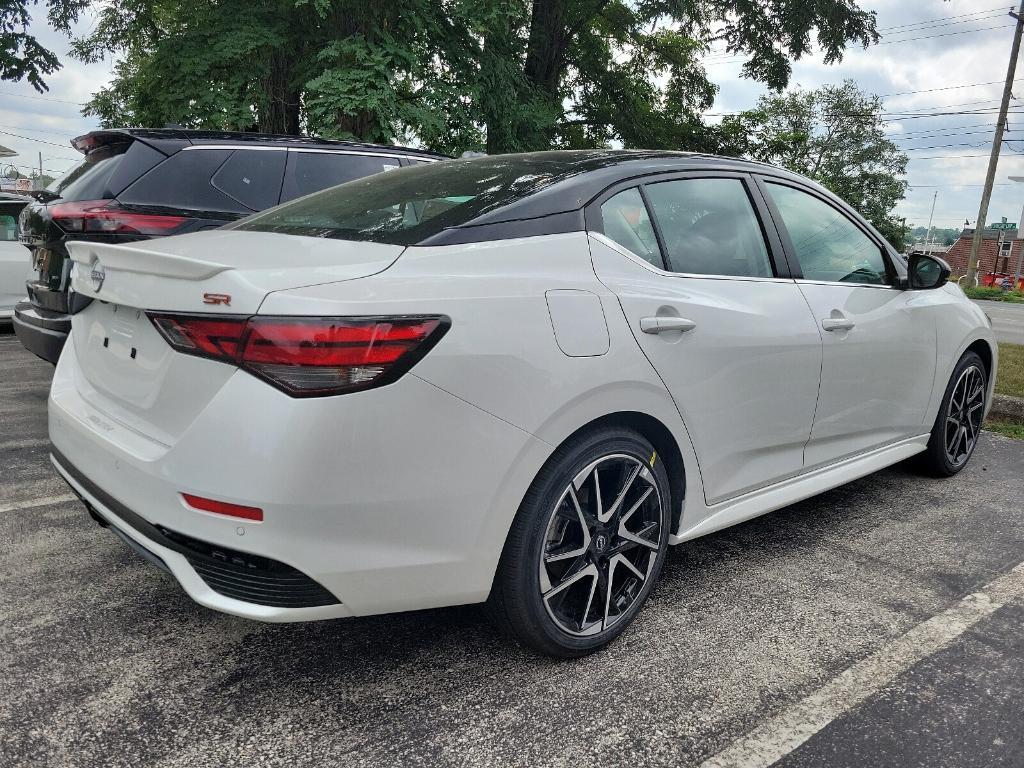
[310,150]
[602,238]
[849,284]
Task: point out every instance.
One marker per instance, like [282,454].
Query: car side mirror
[925,272]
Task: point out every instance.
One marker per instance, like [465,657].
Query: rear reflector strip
[223,508]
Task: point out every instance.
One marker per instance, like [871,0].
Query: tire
[958,424]
[564,552]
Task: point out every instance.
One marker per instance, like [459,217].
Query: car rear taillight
[107,217]
[308,357]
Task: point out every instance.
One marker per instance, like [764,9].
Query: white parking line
[32,442]
[780,735]
[43,501]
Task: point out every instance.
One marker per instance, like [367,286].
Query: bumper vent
[250,578]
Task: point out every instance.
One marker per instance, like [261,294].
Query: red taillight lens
[107,217]
[223,507]
[206,336]
[308,357]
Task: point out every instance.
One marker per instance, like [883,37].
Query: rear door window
[709,227]
[312,171]
[252,177]
[182,182]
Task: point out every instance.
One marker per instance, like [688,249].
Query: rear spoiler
[164,141]
[142,261]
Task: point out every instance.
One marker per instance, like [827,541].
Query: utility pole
[928,239]
[997,141]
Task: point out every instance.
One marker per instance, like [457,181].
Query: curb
[1007,407]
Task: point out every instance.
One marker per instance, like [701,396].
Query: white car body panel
[868,373]
[400,497]
[745,378]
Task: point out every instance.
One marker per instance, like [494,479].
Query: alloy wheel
[964,414]
[601,544]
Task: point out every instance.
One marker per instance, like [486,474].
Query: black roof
[571,178]
[167,139]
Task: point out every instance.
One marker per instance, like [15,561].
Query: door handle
[665,324]
[837,324]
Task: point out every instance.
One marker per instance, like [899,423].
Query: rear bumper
[41,331]
[392,499]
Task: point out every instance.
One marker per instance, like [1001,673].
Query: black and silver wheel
[958,424]
[586,546]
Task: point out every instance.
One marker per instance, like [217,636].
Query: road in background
[106,662]
[1007,320]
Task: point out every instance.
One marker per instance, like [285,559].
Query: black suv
[134,184]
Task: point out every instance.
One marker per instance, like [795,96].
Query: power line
[712,61]
[944,34]
[944,18]
[40,98]
[946,88]
[950,23]
[37,141]
[37,130]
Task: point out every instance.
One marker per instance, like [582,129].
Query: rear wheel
[958,423]
[586,546]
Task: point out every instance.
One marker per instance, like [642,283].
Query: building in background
[999,251]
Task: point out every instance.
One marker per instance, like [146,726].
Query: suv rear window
[409,205]
[90,179]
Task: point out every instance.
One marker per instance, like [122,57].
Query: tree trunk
[279,110]
[553,26]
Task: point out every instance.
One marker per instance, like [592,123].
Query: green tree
[587,72]
[342,69]
[22,56]
[455,74]
[834,135]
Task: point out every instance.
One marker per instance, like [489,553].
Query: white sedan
[513,379]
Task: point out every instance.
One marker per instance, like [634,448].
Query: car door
[878,340]
[699,280]
[14,259]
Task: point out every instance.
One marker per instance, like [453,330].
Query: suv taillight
[308,357]
[107,217]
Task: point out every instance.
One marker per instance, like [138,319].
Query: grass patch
[1005,428]
[994,294]
[1010,377]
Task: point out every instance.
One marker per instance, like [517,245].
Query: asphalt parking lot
[876,625]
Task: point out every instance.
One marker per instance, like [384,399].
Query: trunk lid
[180,273]
[127,370]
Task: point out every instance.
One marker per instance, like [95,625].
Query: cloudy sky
[951,54]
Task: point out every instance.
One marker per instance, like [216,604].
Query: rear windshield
[406,206]
[90,179]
